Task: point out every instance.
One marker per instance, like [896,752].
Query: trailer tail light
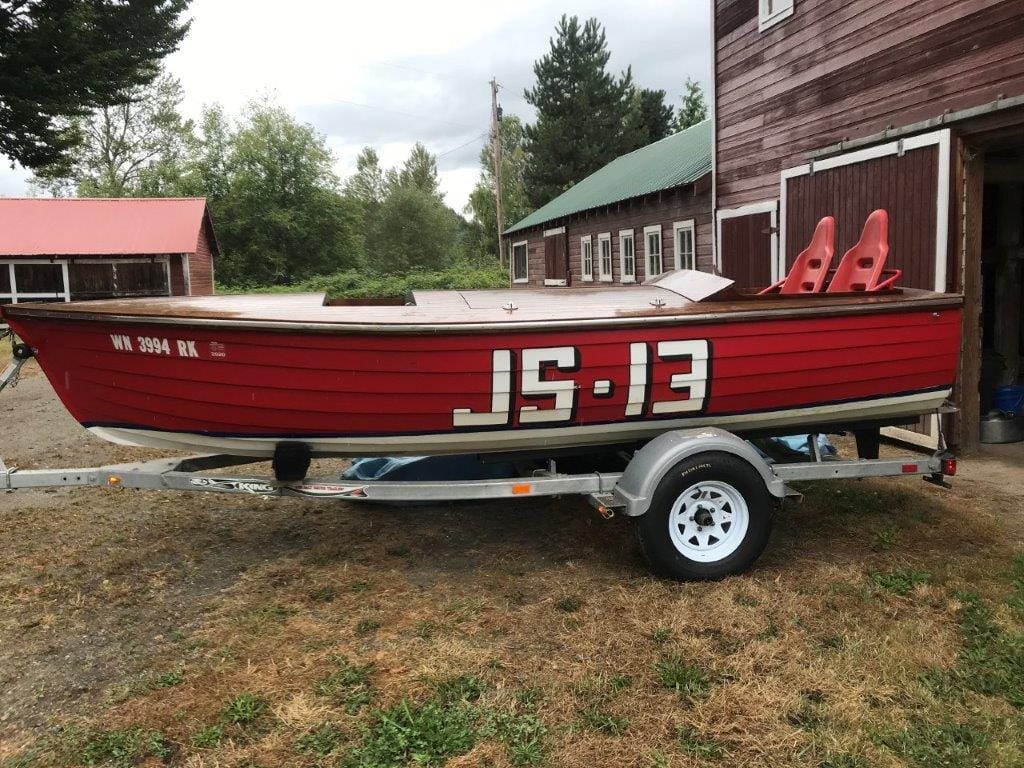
[949,466]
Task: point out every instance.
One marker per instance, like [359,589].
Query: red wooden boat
[490,371]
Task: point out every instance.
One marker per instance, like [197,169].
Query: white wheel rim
[709,521]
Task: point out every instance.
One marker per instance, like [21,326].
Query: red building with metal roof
[59,249]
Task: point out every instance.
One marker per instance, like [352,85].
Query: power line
[401,112]
[456,149]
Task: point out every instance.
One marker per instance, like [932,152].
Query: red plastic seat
[863,266]
[811,267]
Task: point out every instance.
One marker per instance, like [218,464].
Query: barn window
[520,263]
[771,12]
[627,256]
[95,279]
[33,280]
[587,258]
[652,246]
[684,243]
[604,249]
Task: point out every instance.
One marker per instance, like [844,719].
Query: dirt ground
[883,627]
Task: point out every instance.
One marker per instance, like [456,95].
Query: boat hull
[238,390]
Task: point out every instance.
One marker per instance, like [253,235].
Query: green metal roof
[678,159]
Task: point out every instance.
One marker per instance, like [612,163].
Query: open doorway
[1002,275]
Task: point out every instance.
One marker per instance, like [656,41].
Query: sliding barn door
[910,180]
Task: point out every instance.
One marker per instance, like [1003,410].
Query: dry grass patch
[531,635]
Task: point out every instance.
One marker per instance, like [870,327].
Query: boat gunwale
[670,317]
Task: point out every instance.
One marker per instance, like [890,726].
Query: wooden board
[837,70]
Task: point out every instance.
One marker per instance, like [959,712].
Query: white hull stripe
[529,439]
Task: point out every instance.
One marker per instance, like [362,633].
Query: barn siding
[669,206]
[177,275]
[837,70]
[200,265]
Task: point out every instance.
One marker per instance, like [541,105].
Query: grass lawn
[883,627]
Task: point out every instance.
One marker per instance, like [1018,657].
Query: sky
[388,74]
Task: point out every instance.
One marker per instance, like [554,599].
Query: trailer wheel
[710,517]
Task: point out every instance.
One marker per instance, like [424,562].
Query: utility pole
[496,152]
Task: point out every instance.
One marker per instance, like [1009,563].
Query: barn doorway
[1002,272]
[556,257]
[748,244]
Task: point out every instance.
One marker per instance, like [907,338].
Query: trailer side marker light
[521,489]
[114,480]
[949,466]
[909,468]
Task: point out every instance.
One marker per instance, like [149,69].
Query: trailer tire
[710,517]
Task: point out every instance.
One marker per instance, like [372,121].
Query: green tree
[419,172]
[130,149]
[62,59]
[367,184]
[650,118]
[514,203]
[207,174]
[693,109]
[413,229]
[582,111]
[278,211]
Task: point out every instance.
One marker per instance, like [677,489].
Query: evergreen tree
[650,117]
[62,59]
[694,109]
[582,111]
[514,204]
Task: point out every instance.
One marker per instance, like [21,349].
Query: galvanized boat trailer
[702,498]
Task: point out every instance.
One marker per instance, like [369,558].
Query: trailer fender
[651,463]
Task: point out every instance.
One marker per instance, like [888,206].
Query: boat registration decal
[154,345]
[689,359]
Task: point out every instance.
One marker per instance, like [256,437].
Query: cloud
[388,74]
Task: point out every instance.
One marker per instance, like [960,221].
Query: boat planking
[490,371]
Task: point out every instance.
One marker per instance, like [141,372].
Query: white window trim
[512,262]
[587,277]
[648,230]
[606,277]
[623,275]
[688,225]
[766,20]
[765,206]
[939,138]
[17,297]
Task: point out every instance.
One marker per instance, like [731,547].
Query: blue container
[1010,399]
